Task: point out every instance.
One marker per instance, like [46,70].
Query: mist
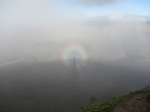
[55,55]
[37,29]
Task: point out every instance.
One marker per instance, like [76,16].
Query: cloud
[97,2]
[25,12]
[39,29]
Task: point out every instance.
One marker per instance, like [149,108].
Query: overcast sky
[42,11]
[46,29]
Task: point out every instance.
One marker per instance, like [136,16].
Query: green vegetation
[109,105]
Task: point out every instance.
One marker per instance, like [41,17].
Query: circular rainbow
[74,51]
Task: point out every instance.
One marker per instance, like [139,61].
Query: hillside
[137,101]
[56,87]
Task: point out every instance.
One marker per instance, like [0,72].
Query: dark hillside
[137,101]
[56,87]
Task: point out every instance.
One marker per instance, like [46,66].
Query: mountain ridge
[54,86]
[137,101]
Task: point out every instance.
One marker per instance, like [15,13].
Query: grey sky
[40,29]
[97,2]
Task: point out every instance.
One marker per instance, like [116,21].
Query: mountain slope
[137,101]
[56,87]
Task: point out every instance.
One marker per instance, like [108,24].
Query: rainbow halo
[74,51]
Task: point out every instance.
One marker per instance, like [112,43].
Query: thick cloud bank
[97,2]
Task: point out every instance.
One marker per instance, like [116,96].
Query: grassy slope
[109,105]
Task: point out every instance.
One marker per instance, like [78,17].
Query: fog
[41,30]
[55,55]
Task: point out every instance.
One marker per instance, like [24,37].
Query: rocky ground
[138,103]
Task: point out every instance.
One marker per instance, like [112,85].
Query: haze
[72,48]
